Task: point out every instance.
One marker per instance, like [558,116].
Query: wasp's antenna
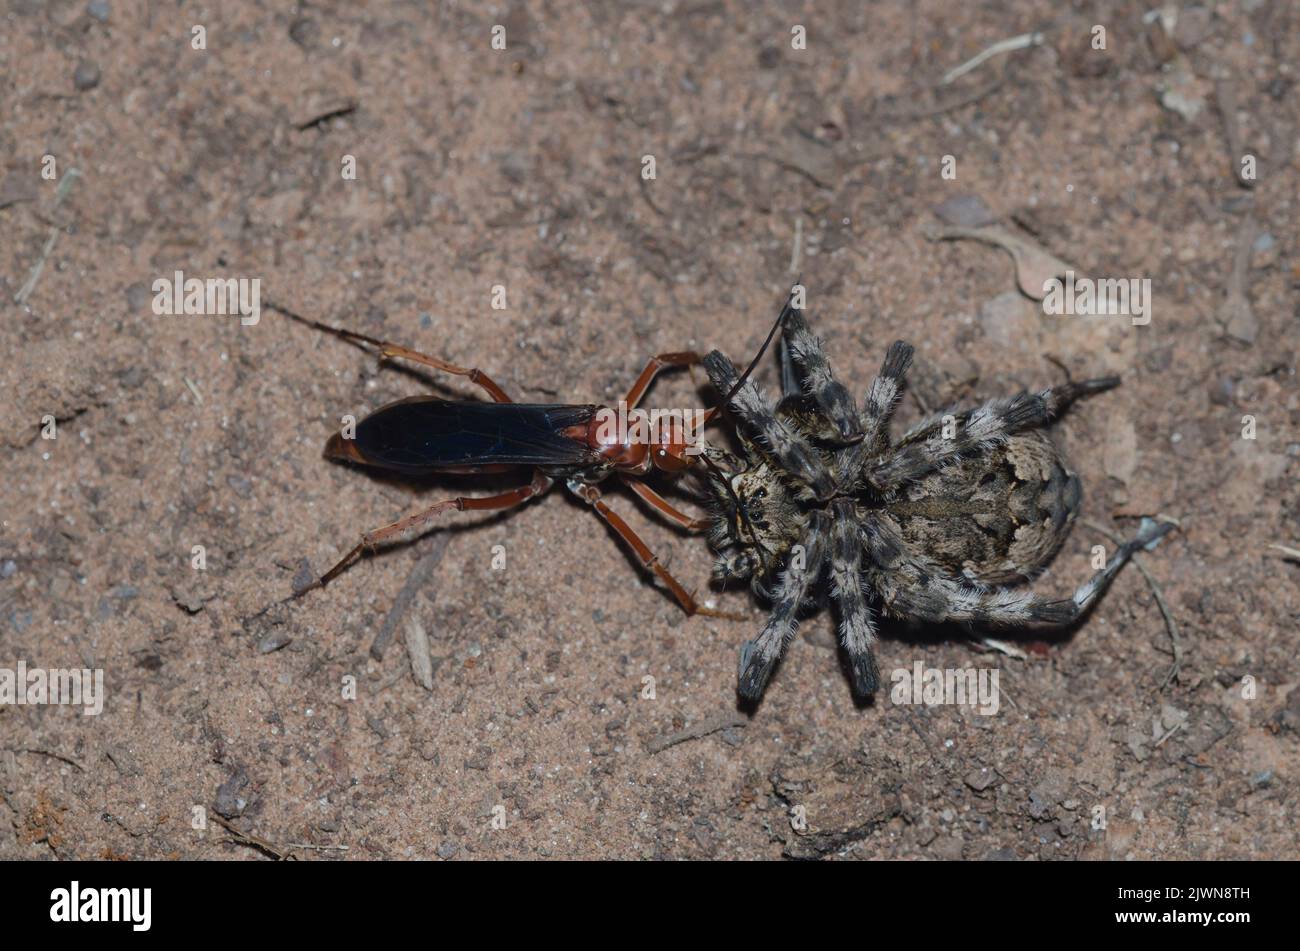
[771,334]
[360,340]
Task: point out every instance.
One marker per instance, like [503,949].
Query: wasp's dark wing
[423,434]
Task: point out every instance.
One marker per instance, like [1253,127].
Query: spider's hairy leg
[827,392]
[1059,398]
[1087,593]
[884,393]
[877,409]
[857,626]
[759,656]
[912,588]
[788,447]
[928,425]
[982,428]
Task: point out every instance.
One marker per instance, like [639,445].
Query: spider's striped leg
[912,588]
[857,626]
[1059,397]
[788,447]
[877,408]
[1087,593]
[931,424]
[981,428]
[759,656]
[826,392]
[884,393]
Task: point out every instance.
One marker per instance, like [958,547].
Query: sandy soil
[523,168]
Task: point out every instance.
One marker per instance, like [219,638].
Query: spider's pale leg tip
[898,357]
[866,676]
[1151,531]
[753,682]
[755,671]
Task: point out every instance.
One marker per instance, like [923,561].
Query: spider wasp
[573,443]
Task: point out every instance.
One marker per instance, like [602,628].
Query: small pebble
[965,211]
[242,485]
[304,577]
[138,298]
[99,10]
[273,642]
[86,75]
[229,802]
[1221,391]
[304,32]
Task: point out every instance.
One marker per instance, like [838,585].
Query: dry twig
[703,728]
[244,838]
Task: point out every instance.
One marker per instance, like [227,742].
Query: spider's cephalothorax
[930,529]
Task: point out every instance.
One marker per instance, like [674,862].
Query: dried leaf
[417,649]
[1034,266]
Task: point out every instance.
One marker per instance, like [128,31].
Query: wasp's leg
[386,349]
[664,507]
[591,495]
[487,503]
[686,358]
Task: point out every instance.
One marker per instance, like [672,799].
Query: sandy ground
[523,168]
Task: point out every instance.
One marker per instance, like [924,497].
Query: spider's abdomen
[996,518]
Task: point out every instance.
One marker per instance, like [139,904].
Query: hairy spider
[933,529]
